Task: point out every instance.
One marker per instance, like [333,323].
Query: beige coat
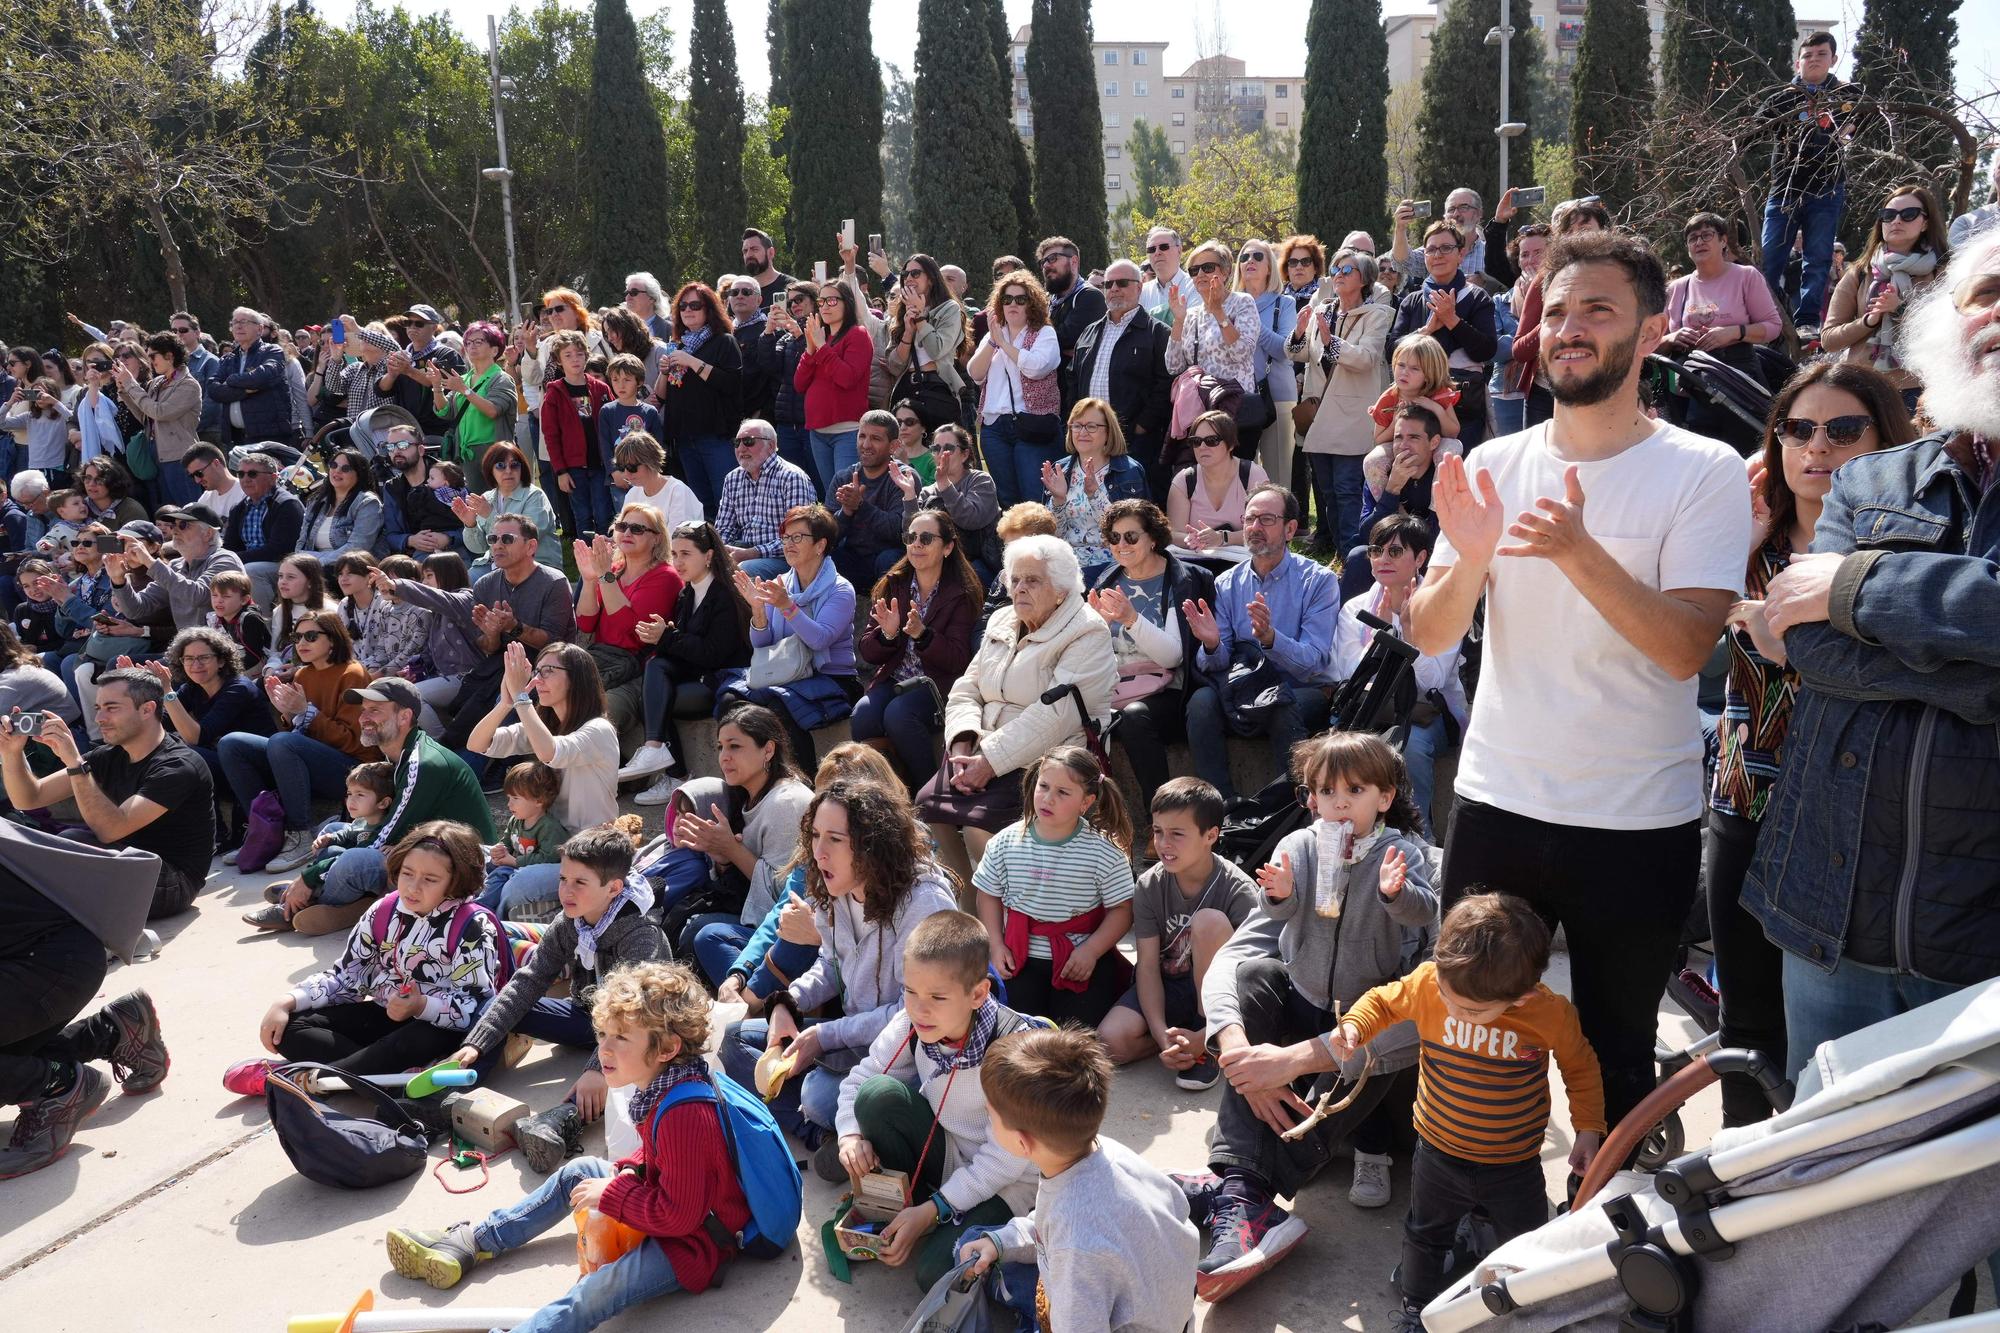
[999,698]
[1343,425]
[172,410]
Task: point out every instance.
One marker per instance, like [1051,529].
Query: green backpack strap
[836,1261]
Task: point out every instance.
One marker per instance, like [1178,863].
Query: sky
[1269,36]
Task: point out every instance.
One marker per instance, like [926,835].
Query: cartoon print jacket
[412,957]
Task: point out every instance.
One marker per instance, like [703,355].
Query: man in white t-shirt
[1609,548]
[207,468]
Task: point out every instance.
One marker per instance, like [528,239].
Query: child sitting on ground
[1055,891]
[371,794]
[1488,1026]
[229,596]
[605,924]
[1420,377]
[531,836]
[1187,906]
[917,1092]
[1109,1235]
[651,1021]
[403,1001]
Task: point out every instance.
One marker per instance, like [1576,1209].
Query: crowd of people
[415,570]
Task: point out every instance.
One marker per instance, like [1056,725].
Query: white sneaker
[1371,1180]
[298,850]
[660,792]
[229,857]
[651,759]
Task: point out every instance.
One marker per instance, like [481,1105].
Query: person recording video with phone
[143,788]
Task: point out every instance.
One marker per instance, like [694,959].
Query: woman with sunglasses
[479,403]
[1340,340]
[622,579]
[700,391]
[913,440]
[1277,314]
[925,328]
[1017,364]
[1824,415]
[509,492]
[1205,502]
[1906,248]
[833,379]
[1304,261]
[557,704]
[94,430]
[1218,331]
[344,512]
[921,620]
[107,487]
[317,736]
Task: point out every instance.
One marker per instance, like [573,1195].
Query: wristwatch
[525,698]
[78,771]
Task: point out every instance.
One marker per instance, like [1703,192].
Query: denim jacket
[1879,843]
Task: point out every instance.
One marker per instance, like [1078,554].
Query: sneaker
[298,850]
[1370,1188]
[139,1060]
[660,792]
[319,919]
[547,1137]
[651,759]
[1406,1319]
[45,1127]
[1251,1235]
[1202,1189]
[1199,1076]
[246,1078]
[826,1161]
[271,916]
[274,892]
[440,1258]
[229,857]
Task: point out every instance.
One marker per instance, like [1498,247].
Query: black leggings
[1144,729]
[361,1038]
[47,983]
[1749,969]
[1032,990]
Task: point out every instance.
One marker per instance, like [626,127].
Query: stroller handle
[1669,1096]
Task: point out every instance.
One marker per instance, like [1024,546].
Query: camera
[109,543]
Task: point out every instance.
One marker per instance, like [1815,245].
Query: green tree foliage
[898,151]
[959,172]
[1344,130]
[777,52]
[715,110]
[1611,99]
[1021,189]
[1717,56]
[1462,104]
[625,151]
[1235,188]
[834,151]
[1903,53]
[1154,168]
[1069,152]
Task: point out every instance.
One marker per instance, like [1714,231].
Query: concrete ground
[179,1211]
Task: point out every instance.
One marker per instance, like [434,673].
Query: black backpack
[331,1147]
[1256,824]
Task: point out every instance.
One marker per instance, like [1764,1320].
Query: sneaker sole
[319,919]
[543,1152]
[1225,1282]
[423,1263]
[139,1087]
[647,798]
[90,1108]
[1196,1085]
[1359,1202]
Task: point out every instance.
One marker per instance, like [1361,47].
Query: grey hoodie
[631,938]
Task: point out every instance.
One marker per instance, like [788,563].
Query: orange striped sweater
[1483,1089]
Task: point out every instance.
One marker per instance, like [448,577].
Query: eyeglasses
[198,659]
[1299,261]
[1121,282]
[1841,432]
[1393,551]
[795,538]
[1088,428]
[1206,266]
[633,529]
[338,466]
[1013,298]
[687,307]
[547,671]
[1441,249]
[1130,537]
[948,446]
[914,273]
[1058,254]
[909,423]
[548,310]
[255,472]
[1263,520]
[921,538]
[505,538]
[1199,440]
[1910,214]
[1161,247]
[506,465]
[309,636]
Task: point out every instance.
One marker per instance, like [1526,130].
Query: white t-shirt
[674,502]
[223,502]
[1572,724]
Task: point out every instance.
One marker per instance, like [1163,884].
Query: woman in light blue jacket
[510,492]
[813,603]
[343,513]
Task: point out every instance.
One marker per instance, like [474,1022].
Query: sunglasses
[950,447]
[1121,282]
[798,300]
[310,635]
[1393,550]
[1126,538]
[914,273]
[687,306]
[1299,261]
[829,300]
[1199,440]
[1206,266]
[1841,432]
[1014,298]
[748,441]
[909,421]
[1253,257]
[1160,248]
[633,529]
[548,310]
[636,291]
[340,467]
[506,465]
[194,473]
[505,538]
[1345,271]
[921,539]
[182,329]
[1910,214]
[253,472]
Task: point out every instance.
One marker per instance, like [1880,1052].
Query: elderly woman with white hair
[645,298]
[995,722]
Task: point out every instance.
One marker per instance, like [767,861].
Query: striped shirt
[1054,881]
[1483,1088]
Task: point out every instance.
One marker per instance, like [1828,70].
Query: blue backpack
[764,1165]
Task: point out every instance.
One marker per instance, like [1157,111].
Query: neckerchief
[692,340]
[648,1097]
[968,1053]
[638,891]
[1457,282]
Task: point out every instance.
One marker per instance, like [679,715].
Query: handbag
[1040,429]
[615,666]
[1149,678]
[1303,413]
[142,460]
[779,663]
[331,1147]
[264,832]
[928,395]
[1253,690]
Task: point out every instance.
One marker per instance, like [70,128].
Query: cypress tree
[1461,105]
[1021,190]
[715,113]
[1717,56]
[1069,151]
[1903,51]
[898,107]
[835,154]
[625,160]
[774,47]
[1611,99]
[960,170]
[1344,127]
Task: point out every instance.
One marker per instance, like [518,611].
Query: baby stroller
[1738,399]
[1852,1209]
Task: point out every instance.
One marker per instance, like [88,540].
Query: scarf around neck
[648,1097]
[638,891]
[1902,272]
[945,1057]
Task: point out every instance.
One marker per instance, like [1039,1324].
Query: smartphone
[1530,195]
[819,270]
[847,232]
[587,538]
[24,724]
[338,330]
[110,543]
[874,242]
[1420,208]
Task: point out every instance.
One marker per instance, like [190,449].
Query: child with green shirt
[531,836]
[371,792]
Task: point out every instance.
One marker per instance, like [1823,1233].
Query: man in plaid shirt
[353,383]
[756,496]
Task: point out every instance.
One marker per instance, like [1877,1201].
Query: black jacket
[760,370]
[781,352]
[700,408]
[1078,309]
[283,522]
[1185,582]
[1140,384]
[700,641]
[1474,335]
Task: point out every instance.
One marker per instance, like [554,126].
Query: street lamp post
[503,173]
[1507,130]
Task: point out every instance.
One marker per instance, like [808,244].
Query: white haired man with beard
[1884,888]
[1609,548]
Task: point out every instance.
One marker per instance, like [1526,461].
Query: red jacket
[562,429]
[834,379]
[693,1177]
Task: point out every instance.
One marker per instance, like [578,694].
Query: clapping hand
[906,479]
[161,672]
[1054,482]
[774,594]
[1113,606]
[747,588]
[1260,621]
[1885,302]
[888,617]
[1200,619]
[712,836]
[587,566]
[500,618]
[1444,310]
[1176,304]
[1760,502]
[1275,878]
[650,629]
[516,672]
[850,495]
[1557,533]
[913,623]
[1471,520]
[462,510]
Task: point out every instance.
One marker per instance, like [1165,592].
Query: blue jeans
[1818,216]
[833,453]
[909,720]
[359,872]
[496,885]
[1420,755]
[590,502]
[1820,1006]
[705,461]
[809,1101]
[640,1276]
[763,567]
[1337,496]
[996,447]
[290,763]
[795,447]
[716,944]
[527,884]
[174,486]
[1506,416]
[1208,736]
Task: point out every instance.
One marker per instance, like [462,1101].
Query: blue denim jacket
[1909,654]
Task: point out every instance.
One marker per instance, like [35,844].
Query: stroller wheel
[1663,1144]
